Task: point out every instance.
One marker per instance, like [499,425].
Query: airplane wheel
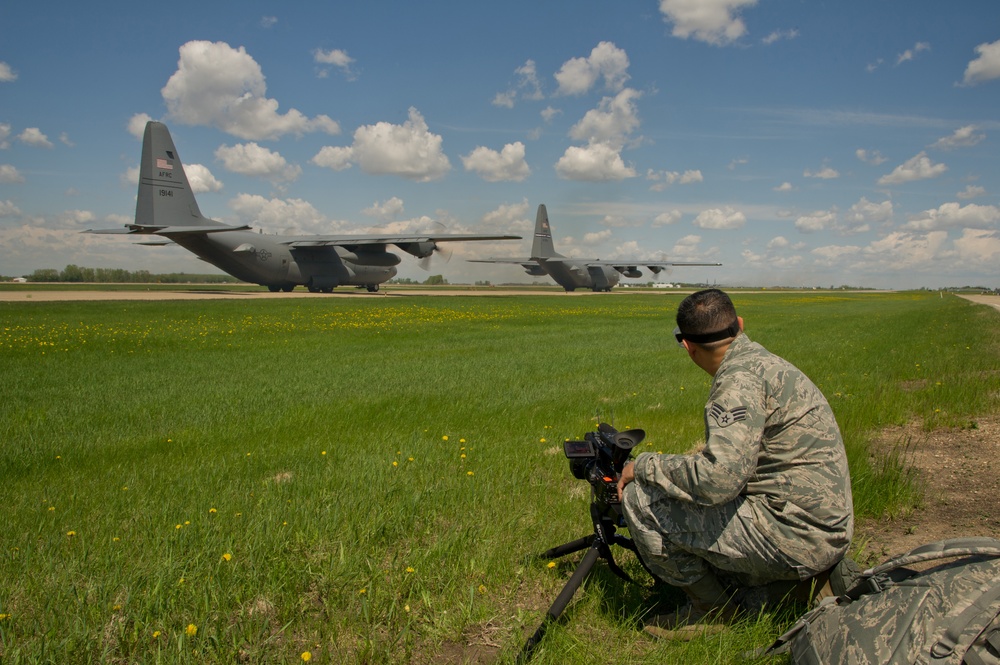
[273,288]
[372,288]
[313,289]
[287,288]
[328,289]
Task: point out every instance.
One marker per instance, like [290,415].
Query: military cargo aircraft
[166,207]
[572,273]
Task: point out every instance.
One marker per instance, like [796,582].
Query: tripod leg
[568,548]
[581,572]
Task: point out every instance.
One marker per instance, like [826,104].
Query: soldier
[768,498]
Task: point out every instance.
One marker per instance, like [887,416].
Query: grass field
[367,480]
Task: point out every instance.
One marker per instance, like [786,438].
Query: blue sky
[798,143]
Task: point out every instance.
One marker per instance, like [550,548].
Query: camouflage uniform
[769,496]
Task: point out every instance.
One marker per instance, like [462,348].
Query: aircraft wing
[355,240]
[513,260]
[131,229]
[619,264]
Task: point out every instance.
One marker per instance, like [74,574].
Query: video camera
[599,459]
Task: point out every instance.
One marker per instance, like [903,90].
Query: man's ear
[740,319]
[689,347]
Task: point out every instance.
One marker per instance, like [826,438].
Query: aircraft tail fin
[165,198]
[541,246]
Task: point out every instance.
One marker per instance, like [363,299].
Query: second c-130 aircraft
[571,273]
[166,207]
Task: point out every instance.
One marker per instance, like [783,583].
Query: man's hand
[628,475]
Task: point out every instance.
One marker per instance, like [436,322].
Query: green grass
[305,439]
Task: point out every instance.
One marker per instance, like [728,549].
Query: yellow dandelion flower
[71,533]
[395,463]
[362,592]
[552,564]
[541,440]
[156,634]
[482,588]
[191,630]
[178,527]
[212,511]
[115,539]
[406,608]
[410,459]
[322,453]
[461,440]
[52,508]
[4,617]
[444,438]
[227,557]
[409,569]
[116,608]
[187,523]
[469,473]
[306,656]
[463,455]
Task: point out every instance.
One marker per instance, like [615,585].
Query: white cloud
[720,218]
[825,173]
[595,163]
[137,124]
[293,216]
[9,175]
[493,166]
[783,187]
[387,210]
[778,242]
[978,249]
[911,53]
[865,212]
[971,192]
[597,237]
[835,255]
[778,35]
[986,67]
[614,119]
[253,160]
[666,218]
[818,221]
[907,251]
[548,113]
[200,179]
[268,22]
[664,179]
[4,135]
[7,75]
[338,58]
[963,137]
[873,157]
[715,22]
[8,209]
[918,167]
[409,150]
[34,137]
[219,86]
[952,214]
[606,61]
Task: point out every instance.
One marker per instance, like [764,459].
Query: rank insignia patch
[726,417]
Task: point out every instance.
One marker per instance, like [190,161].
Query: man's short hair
[706,312]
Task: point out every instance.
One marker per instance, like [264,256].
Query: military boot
[707,612]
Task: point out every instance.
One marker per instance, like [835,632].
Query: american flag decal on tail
[164,164]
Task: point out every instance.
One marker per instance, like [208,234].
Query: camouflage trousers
[681,542]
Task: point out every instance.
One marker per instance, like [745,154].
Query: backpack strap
[945,646]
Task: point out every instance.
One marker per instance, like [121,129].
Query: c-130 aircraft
[166,207]
[572,273]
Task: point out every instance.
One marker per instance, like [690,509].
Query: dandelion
[227,557]
[469,473]
[409,459]
[322,453]
[52,508]
[395,463]
[212,511]
[409,569]
[4,617]
[156,634]
[191,630]
[362,592]
[444,438]
[187,523]
[71,533]
[461,440]
[115,539]
[482,588]
[306,656]
[179,526]
[406,608]
[541,440]
[116,608]
[463,455]
[552,564]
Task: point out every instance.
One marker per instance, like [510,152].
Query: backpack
[894,614]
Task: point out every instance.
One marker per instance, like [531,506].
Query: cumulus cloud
[594,163]
[873,157]
[4,136]
[219,86]
[825,173]
[253,160]
[778,242]
[528,87]
[137,124]
[597,237]
[907,251]
[664,179]
[7,75]
[493,166]
[34,137]
[963,137]
[292,216]
[911,53]
[10,175]
[200,178]
[409,150]
[978,249]
[783,187]
[720,218]
[918,167]
[950,215]
[986,67]
[864,213]
[666,218]
[8,209]
[779,35]
[820,220]
[715,22]
[606,130]
[387,210]
[606,61]
[971,192]
[338,59]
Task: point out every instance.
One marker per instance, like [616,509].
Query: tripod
[599,544]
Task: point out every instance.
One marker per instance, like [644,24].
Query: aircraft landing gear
[372,288]
[273,288]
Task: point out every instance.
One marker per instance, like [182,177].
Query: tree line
[74,273]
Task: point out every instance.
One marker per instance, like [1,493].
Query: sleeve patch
[726,417]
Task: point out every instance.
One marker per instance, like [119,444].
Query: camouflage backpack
[948,613]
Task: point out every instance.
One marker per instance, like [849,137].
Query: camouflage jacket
[771,437]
